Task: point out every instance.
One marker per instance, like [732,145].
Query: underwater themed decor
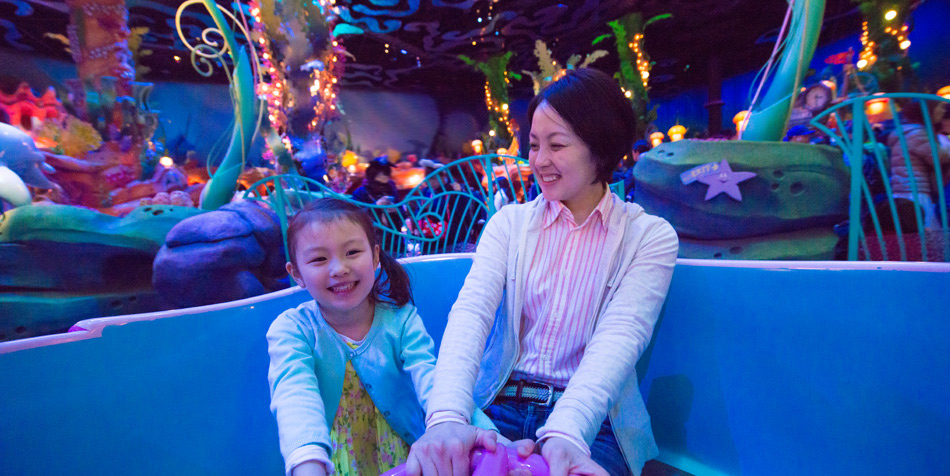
[62,263]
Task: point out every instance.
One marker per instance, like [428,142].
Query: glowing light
[876,107]
[501,151]
[177,58]
[504,107]
[739,117]
[656,138]
[862,63]
[477,146]
[265,55]
[628,94]
[905,44]
[676,132]
[890,15]
[166,162]
[491,133]
[944,92]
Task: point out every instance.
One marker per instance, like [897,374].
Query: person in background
[921,173]
[378,187]
[350,371]
[565,291]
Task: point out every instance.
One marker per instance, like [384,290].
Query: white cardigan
[634,274]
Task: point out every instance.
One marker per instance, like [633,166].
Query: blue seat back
[778,368]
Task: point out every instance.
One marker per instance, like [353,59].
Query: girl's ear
[376,256]
[294,274]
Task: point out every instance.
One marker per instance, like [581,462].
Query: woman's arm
[416,348]
[444,448]
[470,321]
[295,391]
[623,331]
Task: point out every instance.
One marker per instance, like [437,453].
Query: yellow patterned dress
[363,442]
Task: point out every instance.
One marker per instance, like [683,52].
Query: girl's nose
[338,268]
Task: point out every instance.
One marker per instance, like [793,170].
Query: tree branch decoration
[635,64]
[550,71]
[495,70]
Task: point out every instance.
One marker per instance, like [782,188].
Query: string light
[867,57]
[643,65]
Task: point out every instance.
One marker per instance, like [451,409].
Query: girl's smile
[336,264]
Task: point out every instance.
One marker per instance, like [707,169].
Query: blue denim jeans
[520,420]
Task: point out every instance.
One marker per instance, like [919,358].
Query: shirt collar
[555,209]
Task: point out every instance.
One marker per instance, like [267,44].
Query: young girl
[349,371]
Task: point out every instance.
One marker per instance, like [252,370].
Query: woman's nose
[541,157]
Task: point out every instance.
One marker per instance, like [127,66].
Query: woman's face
[560,160]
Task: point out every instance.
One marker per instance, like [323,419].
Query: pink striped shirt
[560,300]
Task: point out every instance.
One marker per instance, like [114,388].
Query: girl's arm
[470,321]
[622,332]
[416,347]
[295,392]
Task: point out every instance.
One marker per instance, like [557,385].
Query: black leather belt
[540,393]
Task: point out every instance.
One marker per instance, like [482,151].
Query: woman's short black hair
[591,102]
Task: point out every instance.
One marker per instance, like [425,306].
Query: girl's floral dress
[363,442]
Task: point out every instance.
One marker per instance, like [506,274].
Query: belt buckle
[550,387]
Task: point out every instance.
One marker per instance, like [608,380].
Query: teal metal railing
[858,141]
[443,213]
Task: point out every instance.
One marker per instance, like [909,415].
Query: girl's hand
[444,449]
[310,468]
[564,458]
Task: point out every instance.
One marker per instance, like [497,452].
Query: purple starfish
[725,181]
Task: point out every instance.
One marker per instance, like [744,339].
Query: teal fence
[877,214]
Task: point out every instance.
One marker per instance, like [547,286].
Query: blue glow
[402,51]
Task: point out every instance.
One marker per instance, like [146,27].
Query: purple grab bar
[499,463]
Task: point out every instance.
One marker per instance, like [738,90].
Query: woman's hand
[444,449]
[564,458]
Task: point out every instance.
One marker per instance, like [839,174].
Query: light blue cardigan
[481,345]
[308,361]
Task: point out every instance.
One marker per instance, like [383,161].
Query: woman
[569,286]
[921,173]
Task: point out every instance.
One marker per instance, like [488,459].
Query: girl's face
[336,264]
[561,161]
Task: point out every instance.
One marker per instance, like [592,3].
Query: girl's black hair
[395,287]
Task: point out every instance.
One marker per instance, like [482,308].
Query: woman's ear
[294,274]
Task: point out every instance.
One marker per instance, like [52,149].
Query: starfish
[725,181]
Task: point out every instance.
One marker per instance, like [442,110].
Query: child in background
[350,371]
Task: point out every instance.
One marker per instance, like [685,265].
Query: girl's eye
[318,259]
[353,252]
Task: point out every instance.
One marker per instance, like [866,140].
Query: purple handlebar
[499,463]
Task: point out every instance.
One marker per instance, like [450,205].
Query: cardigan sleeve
[623,331]
[295,391]
[416,348]
[470,321]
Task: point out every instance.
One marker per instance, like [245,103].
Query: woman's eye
[534,146]
[557,146]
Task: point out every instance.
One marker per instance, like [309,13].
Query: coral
[75,138]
